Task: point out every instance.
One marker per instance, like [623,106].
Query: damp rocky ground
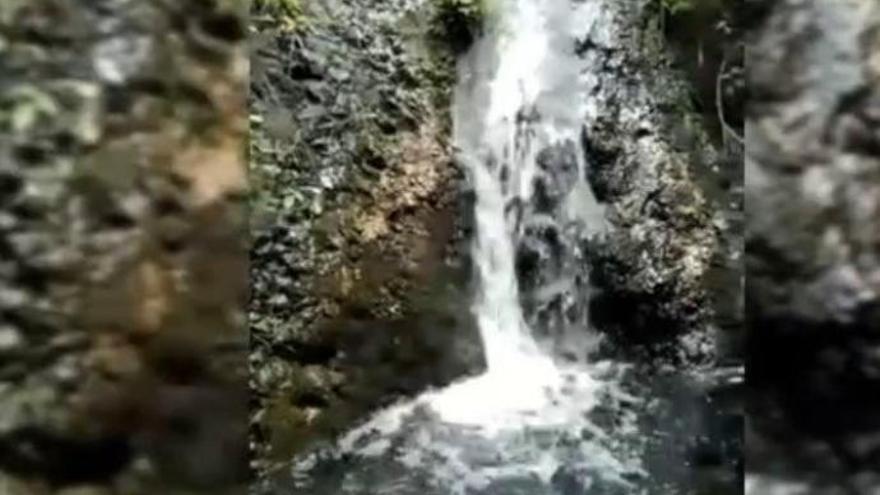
[122,247]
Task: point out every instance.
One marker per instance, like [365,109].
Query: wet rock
[566,482]
[559,167]
[549,260]
[357,269]
[11,340]
[650,268]
[812,188]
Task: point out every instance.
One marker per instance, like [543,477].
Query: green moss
[288,7]
[286,15]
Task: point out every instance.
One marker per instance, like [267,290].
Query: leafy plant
[280,14]
[678,6]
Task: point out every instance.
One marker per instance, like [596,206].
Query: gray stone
[813,196]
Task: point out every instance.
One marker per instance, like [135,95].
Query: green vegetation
[708,47]
[472,10]
[285,15]
[677,6]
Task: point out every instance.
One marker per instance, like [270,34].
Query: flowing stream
[542,419]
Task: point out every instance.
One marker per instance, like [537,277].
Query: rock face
[122,256]
[655,267]
[648,158]
[813,285]
[359,286]
[551,264]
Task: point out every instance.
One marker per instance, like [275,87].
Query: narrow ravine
[523,425]
[547,416]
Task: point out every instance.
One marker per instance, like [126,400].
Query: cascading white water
[501,164]
[518,94]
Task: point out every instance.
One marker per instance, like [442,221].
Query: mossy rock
[286,15]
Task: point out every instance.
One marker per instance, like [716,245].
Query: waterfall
[526,424]
[517,96]
[493,139]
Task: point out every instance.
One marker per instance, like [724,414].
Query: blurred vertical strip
[813,246]
[123,247]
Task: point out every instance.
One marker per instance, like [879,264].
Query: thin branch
[719,103]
